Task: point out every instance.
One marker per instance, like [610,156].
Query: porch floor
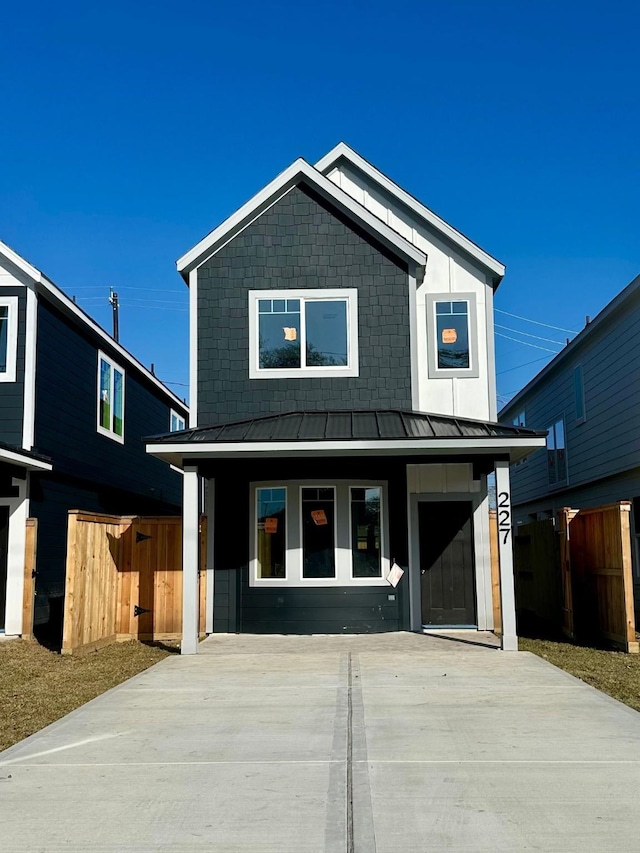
[373,744]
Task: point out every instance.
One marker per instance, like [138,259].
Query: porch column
[505,551]
[190,560]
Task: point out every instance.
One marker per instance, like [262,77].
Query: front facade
[75,406]
[343,409]
[588,399]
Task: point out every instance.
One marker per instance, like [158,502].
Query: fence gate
[124,580]
[537,581]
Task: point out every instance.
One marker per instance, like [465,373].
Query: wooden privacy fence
[124,580]
[537,579]
[576,575]
[602,580]
[28,591]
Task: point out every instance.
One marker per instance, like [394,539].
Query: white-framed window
[520,420]
[295,333]
[578,390]
[176,422]
[8,337]
[452,332]
[557,453]
[110,398]
[318,534]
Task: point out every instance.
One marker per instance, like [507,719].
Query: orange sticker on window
[319,516]
[290,333]
[271,525]
[449,336]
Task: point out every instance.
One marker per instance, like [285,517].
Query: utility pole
[113,299]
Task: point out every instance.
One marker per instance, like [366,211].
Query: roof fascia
[598,321]
[343,151]
[299,171]
[24,266]
[178,452]
[23,460]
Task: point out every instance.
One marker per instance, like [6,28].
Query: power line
[537,322]
[130,287]
[520,366]
[526,343]
[528,335]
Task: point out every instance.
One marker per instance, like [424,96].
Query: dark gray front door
[4,547]
[446,563]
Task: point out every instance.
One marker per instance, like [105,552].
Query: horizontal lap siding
[608,442]
[297,244]
[66,415]
[12,393]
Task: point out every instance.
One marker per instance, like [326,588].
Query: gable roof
[343,152]
[299,172]
[631,291]
[48,290]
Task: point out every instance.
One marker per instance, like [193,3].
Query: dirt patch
[615,673]
[38,686]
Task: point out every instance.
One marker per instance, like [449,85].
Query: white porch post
[505,550]
[190,560]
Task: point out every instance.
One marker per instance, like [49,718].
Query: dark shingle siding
[299,243]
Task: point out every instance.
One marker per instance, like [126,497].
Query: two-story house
[342,412]
[588,398]
[74,407]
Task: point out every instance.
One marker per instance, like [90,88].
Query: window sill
[305,373]
[311,583]
[112,435]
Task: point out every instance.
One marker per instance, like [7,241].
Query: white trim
[298,172]
[210,573]
[413,339]
[173,414]
[344,151]
[51,290]
[110,433]
[491,356]
[342,536]
[30,344]
[190,561]
[11,303]
[505,551]
[349,295]
[193,349]
[18,514]
[14,457]
[515,446]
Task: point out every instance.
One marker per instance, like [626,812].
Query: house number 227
[504,516]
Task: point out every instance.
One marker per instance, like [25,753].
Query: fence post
[190,560]
[30,551]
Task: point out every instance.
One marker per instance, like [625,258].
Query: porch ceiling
[350,432]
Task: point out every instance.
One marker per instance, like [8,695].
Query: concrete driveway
[395,743]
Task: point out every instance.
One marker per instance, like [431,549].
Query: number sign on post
[504,516]
[505,550]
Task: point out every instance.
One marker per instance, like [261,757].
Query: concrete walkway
[395,743]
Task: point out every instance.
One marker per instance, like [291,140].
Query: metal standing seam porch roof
[349,425]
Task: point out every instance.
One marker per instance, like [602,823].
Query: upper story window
[578,388]
[110,398]
[453,335]
[8,337]
[519,420]
[295,333]
[556,454]
[176,422]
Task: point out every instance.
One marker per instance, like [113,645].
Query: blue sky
[130,130]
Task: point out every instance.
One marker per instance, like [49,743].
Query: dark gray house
[74,406]
[588,398]
[342,413]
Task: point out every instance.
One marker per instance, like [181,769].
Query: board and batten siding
[12,393]
[607,443]
[448,271]
[300,243]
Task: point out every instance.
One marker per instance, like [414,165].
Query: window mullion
[303,332]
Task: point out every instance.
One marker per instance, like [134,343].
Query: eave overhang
[23,459]
[300,172]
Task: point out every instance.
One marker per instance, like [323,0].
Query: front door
[4,548]
[446,563]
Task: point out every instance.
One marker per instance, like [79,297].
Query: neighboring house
[74,406]
[343,409]
[588,398]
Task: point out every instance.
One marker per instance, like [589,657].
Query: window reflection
[452,330]
[271,522]
[318,533]
[365,533]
